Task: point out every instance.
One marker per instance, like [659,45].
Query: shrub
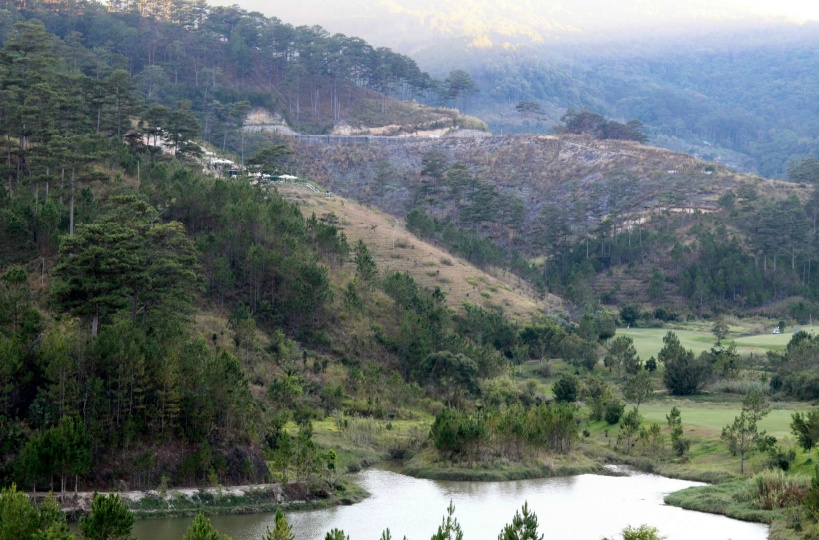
[779,458]
[643,532]
[566,388]
[772,489]
[613,412]
[739,387]
[665,314]
[680,445]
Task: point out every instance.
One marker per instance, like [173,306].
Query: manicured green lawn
[649,341]
[709,418]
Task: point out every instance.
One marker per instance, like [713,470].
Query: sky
[800,10]
[796,9]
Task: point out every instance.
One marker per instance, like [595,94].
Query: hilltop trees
[805,170]
[458,87]
[183,59]
[595,125]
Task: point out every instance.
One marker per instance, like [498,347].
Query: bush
[613,412]
[803,385]
[643,532]
[665,314]
[772,489]
[630,314]
[680,445]
[566,388]
[779,458]
[739,387]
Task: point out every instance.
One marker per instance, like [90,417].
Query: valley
[246,266]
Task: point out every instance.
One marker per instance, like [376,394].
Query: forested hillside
[163,325]
[219,62]
[610,221]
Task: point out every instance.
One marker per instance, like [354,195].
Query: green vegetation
[164,326]
[109,519]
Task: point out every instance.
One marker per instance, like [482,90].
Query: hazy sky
[796,9]
[408,25]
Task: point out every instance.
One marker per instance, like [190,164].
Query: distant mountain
[722,79]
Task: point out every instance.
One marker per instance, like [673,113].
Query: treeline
[514,432]
[596,125]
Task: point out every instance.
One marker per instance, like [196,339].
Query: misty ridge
[722,80]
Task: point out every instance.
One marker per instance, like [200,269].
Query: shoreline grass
[344,492]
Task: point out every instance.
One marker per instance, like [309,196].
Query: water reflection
[581,507]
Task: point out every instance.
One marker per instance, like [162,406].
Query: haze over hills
[728,80]
[410,25]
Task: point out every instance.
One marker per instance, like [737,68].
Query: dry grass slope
[396,249]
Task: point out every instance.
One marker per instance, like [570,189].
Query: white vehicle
[777,331]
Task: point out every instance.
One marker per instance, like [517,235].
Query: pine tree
[109,519]
[449,529]
[523,527]
[201,529]
[281,530]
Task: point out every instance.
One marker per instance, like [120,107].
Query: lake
[568,508]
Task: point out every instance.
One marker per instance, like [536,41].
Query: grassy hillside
[397,250]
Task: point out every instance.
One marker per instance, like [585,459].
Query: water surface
[569,508]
